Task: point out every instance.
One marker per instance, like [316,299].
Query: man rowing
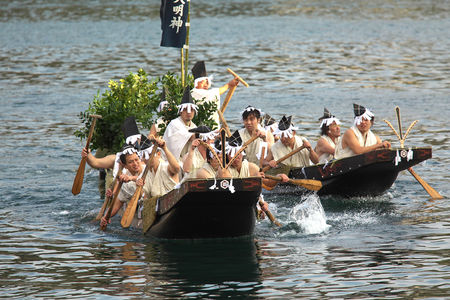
[289,141]
[330,133]
[359,138]
[202,91]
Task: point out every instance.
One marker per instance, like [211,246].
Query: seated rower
[359,138]
[196,157]
[211,167]
[132,137]
[177,135]
[252,118]
[288,142]
[330,132]
[134,168]
[202,90]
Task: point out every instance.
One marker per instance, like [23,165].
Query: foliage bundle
[137,95]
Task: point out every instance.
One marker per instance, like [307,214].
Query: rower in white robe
[288,142]
[330,136]
[202,91]
[359,138]
[177,135]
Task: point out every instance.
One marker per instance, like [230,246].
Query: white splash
[309,215]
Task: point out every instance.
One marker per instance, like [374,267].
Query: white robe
[298,160]
[160,181]
[254,147]
[243,173]
[364,141]
[211,95]
[177,136]
[325,157]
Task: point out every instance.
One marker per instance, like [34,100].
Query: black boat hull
[195,211]
[368,174]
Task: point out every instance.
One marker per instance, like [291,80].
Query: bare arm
[231,83]
[312,154]
[188,158]
[174,166]
[106,162]
[324,147]
[349,139]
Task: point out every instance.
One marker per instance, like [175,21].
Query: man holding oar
[288,142]
[251,117]
[161,176]
[202,87]
[330,133]
[359,138]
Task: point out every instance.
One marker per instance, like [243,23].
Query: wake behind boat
[367,174]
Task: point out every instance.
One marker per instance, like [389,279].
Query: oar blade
[432,192]
[128,215]
[78,180]
[310,184]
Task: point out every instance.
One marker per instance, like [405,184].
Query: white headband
[208,135]
[188,106]
[288,132]
[161,106]
[329,121]
[132,139]
[366,115]
[210,79]
[249,109]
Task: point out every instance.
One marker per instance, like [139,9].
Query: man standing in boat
[330,132]
[288,142]
[202,87]
[359,138]
[177,135]
[251,117]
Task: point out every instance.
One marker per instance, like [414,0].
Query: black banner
[173,22]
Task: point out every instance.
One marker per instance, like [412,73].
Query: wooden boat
[202,208]
[367,174]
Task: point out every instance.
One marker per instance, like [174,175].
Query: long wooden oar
[284,157]
[224,122]
[231,90]
[116,192]
[78,181]
[270,215]
[310,184]
[108,200]
[128,215]
[432,192]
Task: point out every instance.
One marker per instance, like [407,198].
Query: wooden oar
[310,184]
[128,215]
[240,150]
[108,200]
[270,215]
[224,122]
[116,192]
[432,192]
[231,90]
[284,157]
[78,180]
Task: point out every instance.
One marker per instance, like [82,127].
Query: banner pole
[186,46]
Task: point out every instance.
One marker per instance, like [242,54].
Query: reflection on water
[297,56]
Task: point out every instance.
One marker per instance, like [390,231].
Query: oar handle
[237,77]
[91,130]
[227,98]
[224,122]
[266,168]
